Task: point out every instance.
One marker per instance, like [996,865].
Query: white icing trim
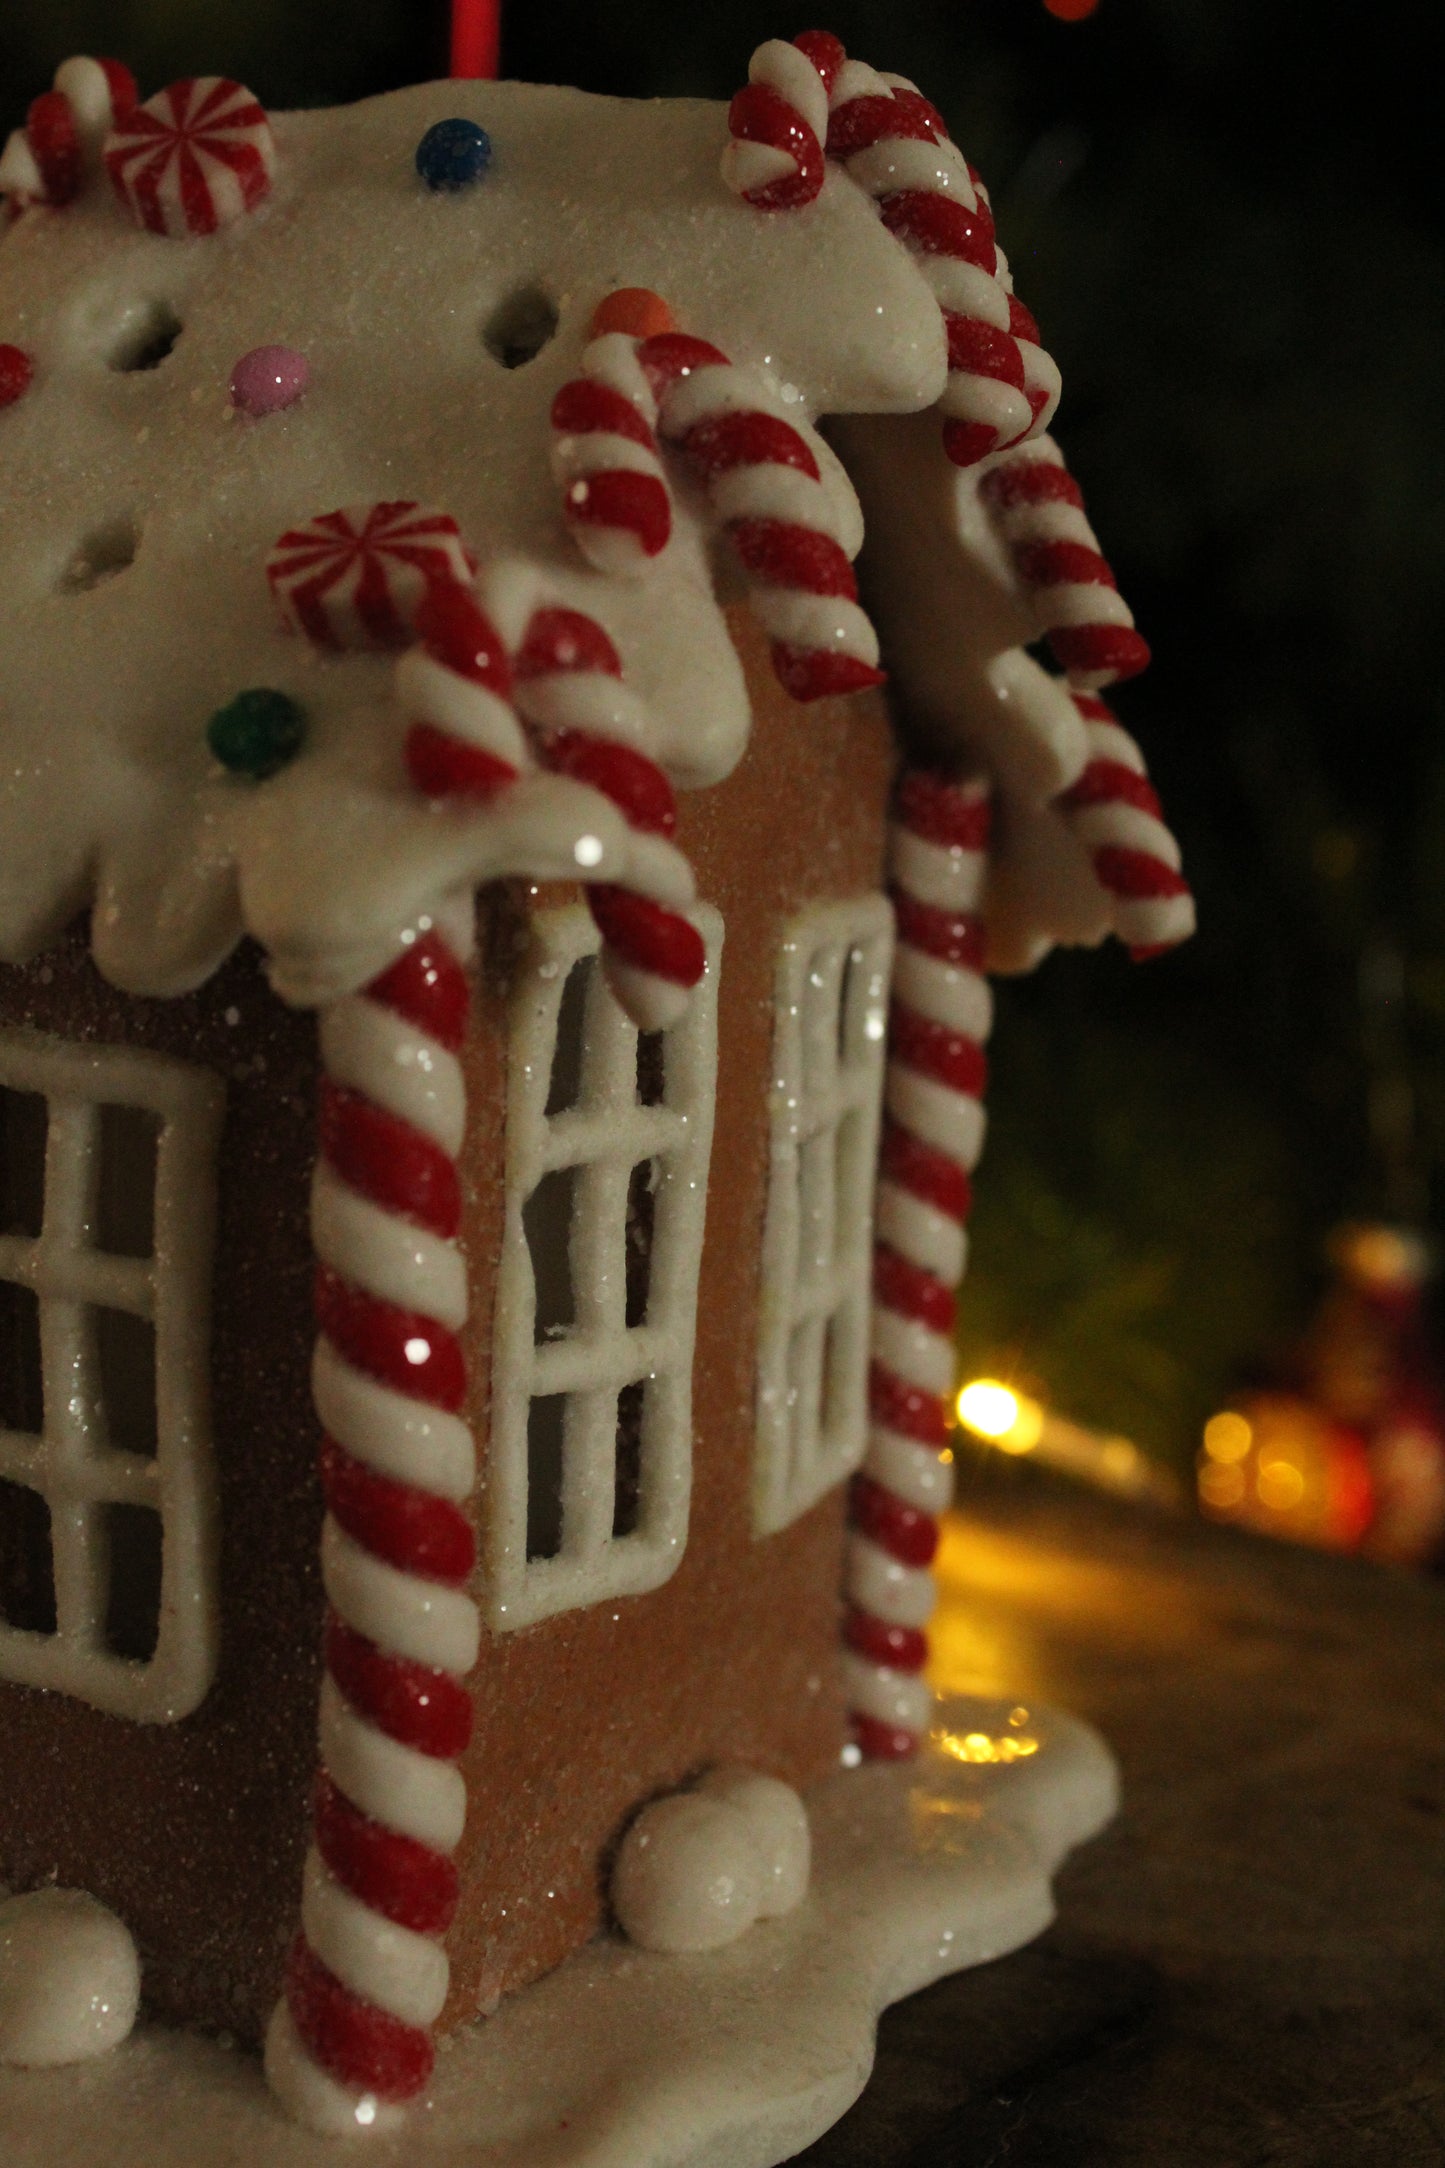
[422,1620]
[813,1303]
[413,1793]
[385,1255]
[606,1135]
[398,1437]
[70,1461]
[387,1965]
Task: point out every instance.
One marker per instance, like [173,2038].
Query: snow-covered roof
[109,795]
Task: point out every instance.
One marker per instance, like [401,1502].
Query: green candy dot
[257,732]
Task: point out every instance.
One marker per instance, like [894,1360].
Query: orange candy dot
[636,310]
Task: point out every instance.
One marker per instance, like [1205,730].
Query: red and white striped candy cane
[778,123]
[592,726]
[194,158]
[463,737]
[1038,510]
[1114,812]
[764,482]
[356,577]
[46,160]
[933,1134]
[368,1973]
[604,453]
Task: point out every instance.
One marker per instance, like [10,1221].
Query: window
[107,1509]
[829,1033]
[608,1137]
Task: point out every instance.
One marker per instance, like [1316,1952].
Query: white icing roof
[107,791]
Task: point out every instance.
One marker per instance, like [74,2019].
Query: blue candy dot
[453,154]
[257,732]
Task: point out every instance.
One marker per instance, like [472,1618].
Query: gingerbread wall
[582,1716]
[195,1832]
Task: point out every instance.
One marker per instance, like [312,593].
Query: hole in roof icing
[106,551]
[145,338]
[519,327]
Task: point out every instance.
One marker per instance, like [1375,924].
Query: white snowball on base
[779,1824]
[69,1978]
[688,1876]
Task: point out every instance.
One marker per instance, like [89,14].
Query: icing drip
[368,1973]
[933,1133]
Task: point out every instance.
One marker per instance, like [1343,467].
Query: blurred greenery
[1226,215]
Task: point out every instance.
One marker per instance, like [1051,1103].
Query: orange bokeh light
[1071,11]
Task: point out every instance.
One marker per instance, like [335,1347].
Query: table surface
[1248,1969]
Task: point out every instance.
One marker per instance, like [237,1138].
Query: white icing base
[69,1979]
[625,2059]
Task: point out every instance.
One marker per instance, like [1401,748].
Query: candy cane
[765,484]
[1038,509]
[1002,386]
[463,738]
[45,161]
[368,1972]
[1114,812]
[604,445]
[593,727]
[933,1134]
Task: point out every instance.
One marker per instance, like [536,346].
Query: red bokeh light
[1071,11]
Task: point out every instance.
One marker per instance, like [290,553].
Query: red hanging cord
[476,40]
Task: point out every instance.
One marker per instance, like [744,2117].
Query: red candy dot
[16,372]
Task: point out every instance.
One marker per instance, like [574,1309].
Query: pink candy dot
[268,379]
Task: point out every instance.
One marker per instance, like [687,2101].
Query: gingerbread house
[401,503]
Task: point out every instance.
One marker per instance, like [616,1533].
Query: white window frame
[71,1464]
[815,1296]
[606,1135]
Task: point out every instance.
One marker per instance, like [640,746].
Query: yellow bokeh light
[979,1748]
[1221,1488]
[1004,1417]
[1280,1485]
[1227,1437]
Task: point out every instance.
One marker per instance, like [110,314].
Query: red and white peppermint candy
[615,496]
[355,578]
[464,739]
[195,158]
[591,726]
[1116,815]
[1038,510]
[933,1131]
[764,481]
[46,160]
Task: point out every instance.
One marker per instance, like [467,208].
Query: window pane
[547,1219]
[125,1204]
[22,1395]
[641,1221]
[125,1355]
[27,1570]
[631,1404]
[651,1068]
[133,1606]
[565,1089]
[23,1124]
[546,1428]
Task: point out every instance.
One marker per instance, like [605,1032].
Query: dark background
[1224,214]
